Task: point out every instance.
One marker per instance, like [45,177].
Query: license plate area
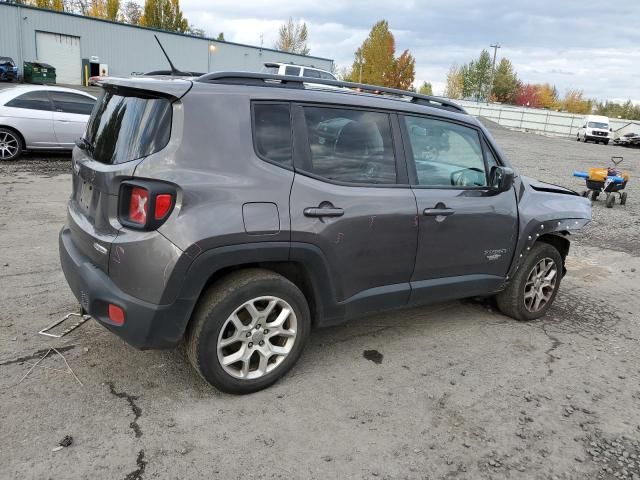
[85,195]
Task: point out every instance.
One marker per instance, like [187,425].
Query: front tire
[248,330]
[535,285]
[10,145]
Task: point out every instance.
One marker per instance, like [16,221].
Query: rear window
[126,127]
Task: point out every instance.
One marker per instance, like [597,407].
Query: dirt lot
[454,390]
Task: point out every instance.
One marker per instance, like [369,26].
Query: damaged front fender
[545,209]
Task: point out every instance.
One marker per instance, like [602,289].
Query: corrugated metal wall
[128,49]
[532,119]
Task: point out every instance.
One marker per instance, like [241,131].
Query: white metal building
[70,42]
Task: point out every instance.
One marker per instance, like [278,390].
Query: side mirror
[501,179]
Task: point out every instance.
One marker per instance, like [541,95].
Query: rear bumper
[146,325]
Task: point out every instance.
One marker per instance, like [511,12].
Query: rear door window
[37,100]
[72,103]
[126,127]
[352,146]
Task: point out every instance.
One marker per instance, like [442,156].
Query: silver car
[34,117]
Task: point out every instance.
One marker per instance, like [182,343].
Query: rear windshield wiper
[85,144]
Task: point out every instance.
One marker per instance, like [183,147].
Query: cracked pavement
[453,390]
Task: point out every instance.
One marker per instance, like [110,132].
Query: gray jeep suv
[236,211]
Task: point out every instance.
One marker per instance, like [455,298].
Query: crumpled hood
[546,187]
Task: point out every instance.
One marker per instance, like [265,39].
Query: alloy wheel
[8,145]
[257,337]
[540,285]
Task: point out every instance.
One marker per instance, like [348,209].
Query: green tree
[164,15]
[292,37]
[476,77]
[375,62]
[425,89]
[220,37]
[505,83]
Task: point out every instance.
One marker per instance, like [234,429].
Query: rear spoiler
[174,88]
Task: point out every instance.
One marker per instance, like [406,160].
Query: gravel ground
[454,390]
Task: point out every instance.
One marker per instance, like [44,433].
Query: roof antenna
[174,70]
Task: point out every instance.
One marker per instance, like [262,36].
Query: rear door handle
[323,212]
[438,212]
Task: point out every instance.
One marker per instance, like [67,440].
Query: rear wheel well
[295,272]
[17,132]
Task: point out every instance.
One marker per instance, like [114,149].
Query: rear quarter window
[125,127]
[272,132]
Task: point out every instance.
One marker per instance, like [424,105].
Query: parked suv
[238,210]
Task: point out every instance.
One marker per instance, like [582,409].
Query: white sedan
[34,117]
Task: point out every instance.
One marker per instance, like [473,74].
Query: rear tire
[594,195]
[606,142]
[520,299]
[238,317]
[10,145]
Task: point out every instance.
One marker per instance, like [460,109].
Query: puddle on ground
[374,355]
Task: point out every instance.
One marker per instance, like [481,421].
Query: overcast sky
[588,44]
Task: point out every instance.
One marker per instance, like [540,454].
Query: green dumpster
[38,72]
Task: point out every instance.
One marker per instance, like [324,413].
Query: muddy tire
[535,285]
[248,330]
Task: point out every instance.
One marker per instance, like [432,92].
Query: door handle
[323,212]
[438,212]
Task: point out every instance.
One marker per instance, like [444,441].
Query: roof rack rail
[288,81]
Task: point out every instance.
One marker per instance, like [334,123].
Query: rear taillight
[145,204]
[138,205]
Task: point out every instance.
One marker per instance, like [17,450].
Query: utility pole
[495,47]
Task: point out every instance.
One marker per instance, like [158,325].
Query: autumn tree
[292,37]
[403,72]
[528,96]
[49,4]
[455,82]
[107,9]
[131,13]
[425,89]
[548,96]
[505,83]
[375,62]
[574,102]
[164,15]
